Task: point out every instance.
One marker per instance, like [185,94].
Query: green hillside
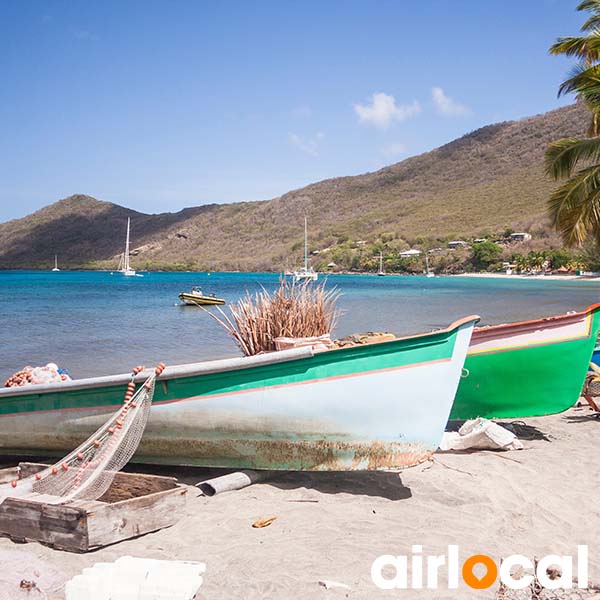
[483,183]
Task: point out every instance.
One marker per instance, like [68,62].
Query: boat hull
[192,300]
[380,406]
[527,369]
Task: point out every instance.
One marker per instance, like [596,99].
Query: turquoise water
[95,323]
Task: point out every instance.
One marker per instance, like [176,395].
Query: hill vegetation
[483,185]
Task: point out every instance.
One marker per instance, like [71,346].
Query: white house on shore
[410,253]
[520,237]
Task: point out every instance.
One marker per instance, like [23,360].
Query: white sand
[501,275]
[544,499]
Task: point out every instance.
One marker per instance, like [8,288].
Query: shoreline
[481,274]
[554,277]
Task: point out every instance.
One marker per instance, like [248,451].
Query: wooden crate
[133,505]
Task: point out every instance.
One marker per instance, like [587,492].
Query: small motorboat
[195,297]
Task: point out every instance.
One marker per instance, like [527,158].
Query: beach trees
[574,207]
[485,254]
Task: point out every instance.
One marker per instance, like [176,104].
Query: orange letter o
[471,579]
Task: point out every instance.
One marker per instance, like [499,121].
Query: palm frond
[574,207]
[589,5]
[582,80]
[586,48]
[563,156]
[592,24]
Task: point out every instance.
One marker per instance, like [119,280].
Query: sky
[159,105]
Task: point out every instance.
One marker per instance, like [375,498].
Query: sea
[98,323]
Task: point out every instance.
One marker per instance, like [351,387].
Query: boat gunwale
[570,316]
[219,365]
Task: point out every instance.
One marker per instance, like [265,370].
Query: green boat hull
[527,369]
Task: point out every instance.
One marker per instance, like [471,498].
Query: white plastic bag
[480,434]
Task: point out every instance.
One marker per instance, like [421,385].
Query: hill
[482,183]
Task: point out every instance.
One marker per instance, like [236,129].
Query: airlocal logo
[478,571]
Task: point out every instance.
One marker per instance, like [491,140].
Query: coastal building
[457,244]
[410,253]
[520,237]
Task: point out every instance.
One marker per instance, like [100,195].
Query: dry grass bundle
[292,310]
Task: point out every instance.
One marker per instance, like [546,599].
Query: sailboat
[381,272]
[428,273]
[124,264]
[306,273]
[56,263]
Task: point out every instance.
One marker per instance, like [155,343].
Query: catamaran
[56,263]
[124,263]
[306,273]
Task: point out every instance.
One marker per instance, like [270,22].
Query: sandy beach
[500,275]
[331,526]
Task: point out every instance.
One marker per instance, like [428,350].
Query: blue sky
[158,105]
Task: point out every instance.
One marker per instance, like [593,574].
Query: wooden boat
[375,406]
[527,369]
[195,297]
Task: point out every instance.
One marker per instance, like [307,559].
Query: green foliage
[574,208]
[484,254]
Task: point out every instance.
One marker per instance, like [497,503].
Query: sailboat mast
[381,262]
[56,261]
[126,257]
[305,245]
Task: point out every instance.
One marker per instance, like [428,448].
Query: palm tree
[574,207]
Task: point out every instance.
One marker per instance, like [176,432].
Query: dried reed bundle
[292,310]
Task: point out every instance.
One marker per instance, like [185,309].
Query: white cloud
[308,145]
[393,150]
[383,110]
[448,106]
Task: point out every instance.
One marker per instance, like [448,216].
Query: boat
[124,266]
[55,264]
[305,273]
[428,272]
[527,369]
[368,407]
[381,272]
[195,297]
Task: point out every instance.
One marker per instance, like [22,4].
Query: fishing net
[88,471]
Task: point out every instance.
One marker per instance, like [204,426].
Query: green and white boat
[377,406]
[527,369]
